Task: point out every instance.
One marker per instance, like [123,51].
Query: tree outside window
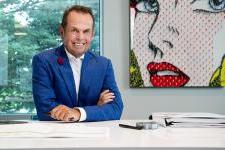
[26,28]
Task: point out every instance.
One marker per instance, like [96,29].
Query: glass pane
[28,27]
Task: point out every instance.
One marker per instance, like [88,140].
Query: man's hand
[105,97]
[65,113]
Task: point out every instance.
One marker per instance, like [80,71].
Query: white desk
[122,138]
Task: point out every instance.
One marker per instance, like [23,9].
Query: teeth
[79,44]
[163,73]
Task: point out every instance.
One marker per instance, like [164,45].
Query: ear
[61,31]
[93,34]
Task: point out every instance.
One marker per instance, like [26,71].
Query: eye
[74,30]
[217,4]
[209,5]
[148,6]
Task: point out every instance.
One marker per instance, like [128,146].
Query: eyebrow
[87,30]
[74,27]
[193,1]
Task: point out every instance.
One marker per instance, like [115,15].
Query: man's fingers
[54,110]
[67,117]
[104,102]
[108,95]
[59,112]
[105,97]
[72,115]
[62,115]
[56,113]
[104,92]
[108,100]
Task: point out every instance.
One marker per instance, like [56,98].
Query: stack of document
[202,120]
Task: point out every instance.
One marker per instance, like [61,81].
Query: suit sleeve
[43,93]
[111,110]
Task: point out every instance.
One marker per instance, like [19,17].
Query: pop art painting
[177,43]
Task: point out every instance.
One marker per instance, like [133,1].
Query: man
[69,82]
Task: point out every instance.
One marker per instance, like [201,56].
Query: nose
[163,31]
[79,36]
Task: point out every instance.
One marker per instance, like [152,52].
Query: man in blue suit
[71,83]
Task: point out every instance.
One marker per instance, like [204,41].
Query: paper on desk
[197,125]
[52,130]
[199,120]
[192,119]
[186,114]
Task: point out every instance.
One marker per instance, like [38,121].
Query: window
[28,27]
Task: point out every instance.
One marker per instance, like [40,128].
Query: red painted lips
[166,75]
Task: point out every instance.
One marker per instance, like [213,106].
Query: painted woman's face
[179,42]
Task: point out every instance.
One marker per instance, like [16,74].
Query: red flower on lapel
[60,60]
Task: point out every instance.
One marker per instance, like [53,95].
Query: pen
[130,127]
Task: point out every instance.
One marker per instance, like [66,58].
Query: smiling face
[78,33]
[176,41]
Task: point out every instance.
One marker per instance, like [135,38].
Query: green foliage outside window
[26,28]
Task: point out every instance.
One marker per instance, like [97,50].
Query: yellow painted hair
[218,77]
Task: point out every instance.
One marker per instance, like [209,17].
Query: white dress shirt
[76,64]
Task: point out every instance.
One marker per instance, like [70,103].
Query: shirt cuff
[83,115]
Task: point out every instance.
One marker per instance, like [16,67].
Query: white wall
[139,103]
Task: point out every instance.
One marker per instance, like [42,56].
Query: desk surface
[123,138]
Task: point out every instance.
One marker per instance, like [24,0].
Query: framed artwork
[177,43]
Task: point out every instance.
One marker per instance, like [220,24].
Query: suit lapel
[67,73]
[85,76]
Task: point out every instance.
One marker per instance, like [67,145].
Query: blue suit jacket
[53,84]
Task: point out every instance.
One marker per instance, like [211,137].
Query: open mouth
[166,75]
[79,44]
